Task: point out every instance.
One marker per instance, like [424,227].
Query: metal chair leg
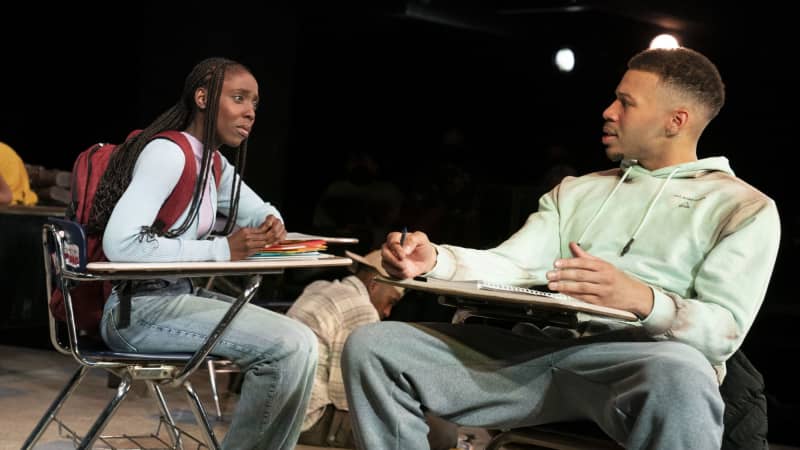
[174,435]
[200,415]
[52,411]
[94,432]
[212,376]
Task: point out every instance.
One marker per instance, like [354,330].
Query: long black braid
[210,74]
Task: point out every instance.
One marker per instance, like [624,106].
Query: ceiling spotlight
[664,41]
[565,60]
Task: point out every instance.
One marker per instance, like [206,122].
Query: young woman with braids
[277,354]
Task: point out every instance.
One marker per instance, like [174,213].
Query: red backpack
[88,299]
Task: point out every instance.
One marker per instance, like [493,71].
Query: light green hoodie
[705,241]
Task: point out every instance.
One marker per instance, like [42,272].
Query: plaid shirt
[332,310]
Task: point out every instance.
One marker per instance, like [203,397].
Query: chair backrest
[52,266]
[72,243]
[64,251]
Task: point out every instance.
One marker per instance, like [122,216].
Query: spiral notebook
[489,286]
[496,293]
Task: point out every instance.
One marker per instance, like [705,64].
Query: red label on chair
[72,255]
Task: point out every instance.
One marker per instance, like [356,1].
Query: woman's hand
[248,240]
[275,231]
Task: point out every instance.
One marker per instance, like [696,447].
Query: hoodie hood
[686,170]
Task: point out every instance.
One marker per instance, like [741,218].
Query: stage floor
[30,378]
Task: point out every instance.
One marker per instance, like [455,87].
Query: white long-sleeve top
[155,175]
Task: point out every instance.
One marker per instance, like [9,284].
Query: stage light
[565,60]
[664,41]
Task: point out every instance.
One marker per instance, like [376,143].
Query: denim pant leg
[277,355]
[646,395]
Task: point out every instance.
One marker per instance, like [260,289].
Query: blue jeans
[642,393]
[277,355]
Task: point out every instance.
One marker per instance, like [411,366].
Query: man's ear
[371,284]
[200,98]
[677,121]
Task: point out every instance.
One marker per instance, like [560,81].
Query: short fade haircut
[686,70]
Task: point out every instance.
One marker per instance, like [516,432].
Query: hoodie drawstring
[644,218]
[603,205]
[647,214]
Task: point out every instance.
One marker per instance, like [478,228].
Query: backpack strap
[177,202]
[124,293]
[181,195]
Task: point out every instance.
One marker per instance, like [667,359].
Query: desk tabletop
[469,289]
[215,267]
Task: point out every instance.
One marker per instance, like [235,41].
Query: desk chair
[156,370]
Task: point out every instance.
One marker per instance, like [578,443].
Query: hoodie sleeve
[522,259]
[730,286]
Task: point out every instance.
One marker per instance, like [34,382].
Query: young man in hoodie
[678,241]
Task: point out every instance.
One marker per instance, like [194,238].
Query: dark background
[464,89]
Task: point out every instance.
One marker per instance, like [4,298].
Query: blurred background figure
[362,203]
[31,185]
[53,186]
[15,176]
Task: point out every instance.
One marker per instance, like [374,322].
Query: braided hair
[208,74]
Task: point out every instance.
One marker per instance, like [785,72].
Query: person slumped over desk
[333,309]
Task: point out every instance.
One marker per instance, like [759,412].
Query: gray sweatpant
[644,394]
